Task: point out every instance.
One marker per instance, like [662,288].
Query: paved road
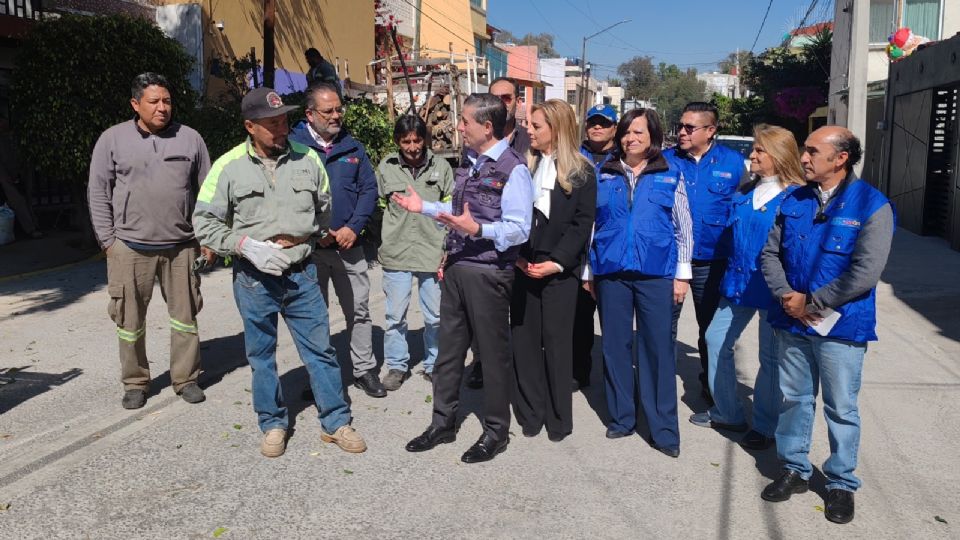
[73,464]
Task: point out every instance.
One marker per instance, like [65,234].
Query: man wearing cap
[144,175]
[601,126]
[263,202]
[339,255]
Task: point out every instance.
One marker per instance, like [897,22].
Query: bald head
[829,154]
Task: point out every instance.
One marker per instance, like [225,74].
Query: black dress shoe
[614,434]
[839,507]
[670,451]
[754,440]
[556,437]
[370,384]
[485,449]
[431,438]
[530,432]
[475,380]
[784,487]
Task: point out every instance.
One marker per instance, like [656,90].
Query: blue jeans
[728,324]
[296,296]
[834,365]
[397,286]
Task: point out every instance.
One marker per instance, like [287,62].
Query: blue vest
[634,230]
[585,152]
[711,184]
[743,282]
[816,250]
[482,189]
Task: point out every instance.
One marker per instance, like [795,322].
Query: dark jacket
[353,184]
[565,237]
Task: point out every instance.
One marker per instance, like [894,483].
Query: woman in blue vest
[640,257]
[775,166]
[548,271]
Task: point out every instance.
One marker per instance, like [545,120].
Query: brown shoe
[274,442]
[346,438]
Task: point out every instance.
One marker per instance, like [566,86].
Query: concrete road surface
[74,464]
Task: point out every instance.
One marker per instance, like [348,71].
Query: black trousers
[541,320]
[705,289]
[583,332]
[474,302]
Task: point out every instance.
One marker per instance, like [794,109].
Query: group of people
[512,251]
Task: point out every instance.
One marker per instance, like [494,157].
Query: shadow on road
[18,385]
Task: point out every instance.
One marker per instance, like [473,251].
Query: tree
[613,81]
[728,64]
[674,90]
[543,41]
[639,77]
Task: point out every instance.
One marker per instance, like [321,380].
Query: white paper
[830,318]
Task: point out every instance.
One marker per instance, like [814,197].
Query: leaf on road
[179,446]
[347,471]
[6,436]
[225,435]
[715,464]
[409,412]
[247,390]
[428,399]
[218,532]
[237,403]
[237,426]
[818,508]
[6,506]
[314,454]
[938,518]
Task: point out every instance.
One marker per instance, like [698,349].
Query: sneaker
[346,438]
[274,442]
[703,420]
[134,399]
[192,393]
[394,379]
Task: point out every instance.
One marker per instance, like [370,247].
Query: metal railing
[23,9]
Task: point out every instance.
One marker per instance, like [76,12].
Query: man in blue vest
[488,219]
[711,174]
[822,261]
[339,255]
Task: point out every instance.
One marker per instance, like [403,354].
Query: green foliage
[72,81]
[674,90]
[370,124]
[738,116]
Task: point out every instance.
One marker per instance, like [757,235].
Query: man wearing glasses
[711,174]
[339,255]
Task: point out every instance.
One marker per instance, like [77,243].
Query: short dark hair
[489,108]
[513,83]
[143,80]
[319,86]
[312,53]
[849,143]
[409,123]
[703,107]
[654,127]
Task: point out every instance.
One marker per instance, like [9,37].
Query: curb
[33,273]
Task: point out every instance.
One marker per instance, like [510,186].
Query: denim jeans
[834,365]
[728,324]
[397,286]
[296,296]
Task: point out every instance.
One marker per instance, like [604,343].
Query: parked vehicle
[743,146]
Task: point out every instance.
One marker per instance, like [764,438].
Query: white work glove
[266,256]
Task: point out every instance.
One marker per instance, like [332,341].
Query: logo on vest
[665,180]
[607,176]
[353,160]
[845,222]
[492,182]
[723,174]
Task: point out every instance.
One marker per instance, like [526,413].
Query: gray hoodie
[143,186]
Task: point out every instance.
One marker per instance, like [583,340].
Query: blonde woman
[775,166]
[546,285]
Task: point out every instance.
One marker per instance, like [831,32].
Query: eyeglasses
[690,128]
[328,112]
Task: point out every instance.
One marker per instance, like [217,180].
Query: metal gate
[941,163]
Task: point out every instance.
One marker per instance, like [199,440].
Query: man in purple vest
[488,219]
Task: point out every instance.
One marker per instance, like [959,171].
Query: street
[74,464]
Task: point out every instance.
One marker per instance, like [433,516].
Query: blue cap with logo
[606,111]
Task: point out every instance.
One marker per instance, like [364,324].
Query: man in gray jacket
[144,179]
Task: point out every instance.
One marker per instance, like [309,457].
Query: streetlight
[583,67]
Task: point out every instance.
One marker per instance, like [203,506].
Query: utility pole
[582,101]
[857,85]
[269,14]
[736,89]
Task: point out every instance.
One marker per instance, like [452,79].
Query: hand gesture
[410,202]
[463,223]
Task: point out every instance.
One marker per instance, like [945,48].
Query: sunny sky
[689,33]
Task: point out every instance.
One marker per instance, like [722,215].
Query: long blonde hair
[782,147]
[571,165]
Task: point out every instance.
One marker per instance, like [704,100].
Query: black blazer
[565,237]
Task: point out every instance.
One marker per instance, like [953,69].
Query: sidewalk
[55,249]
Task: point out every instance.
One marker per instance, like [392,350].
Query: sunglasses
[690,128]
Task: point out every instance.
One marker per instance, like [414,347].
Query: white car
[743,146]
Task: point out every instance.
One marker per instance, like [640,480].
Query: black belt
[297,267]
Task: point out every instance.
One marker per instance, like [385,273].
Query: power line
[803,21]
[763,22]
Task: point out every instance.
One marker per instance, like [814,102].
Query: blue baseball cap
[606,111]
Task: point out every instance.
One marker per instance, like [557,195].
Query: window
[571,96]
[923,17]
[883,20]
[476,4]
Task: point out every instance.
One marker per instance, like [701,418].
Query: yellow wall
[455,25]
[337,28]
